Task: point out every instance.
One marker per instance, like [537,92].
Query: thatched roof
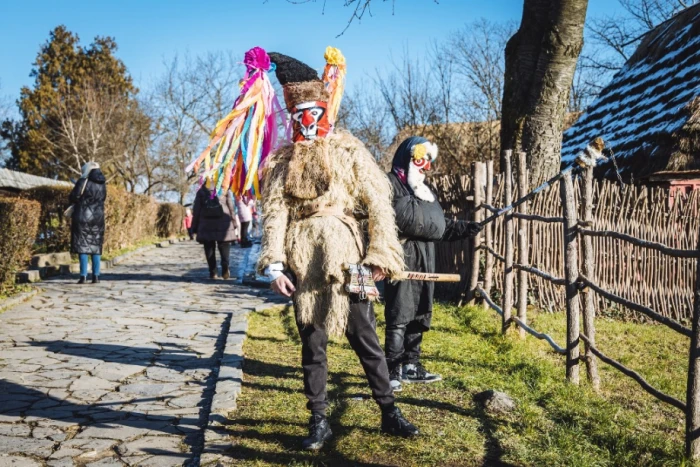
[649,114]
[19,181]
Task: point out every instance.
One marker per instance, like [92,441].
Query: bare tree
[192,96]
[477,53]
[616,37]
[91,124]
[366,116]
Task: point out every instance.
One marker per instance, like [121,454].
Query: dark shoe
[394,424]
[319,433]
[395,378]
[225,275]
[416,373]
[212,275]
[82,279]
[95,279]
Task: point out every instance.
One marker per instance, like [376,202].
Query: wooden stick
[508,233]
[478,185]
[634,375]
[426,276]
[534,217]
[588,270]
[643,243]
[692,416]
[489,301]
[676,326]
[488,230]
[571,276]
[523,247]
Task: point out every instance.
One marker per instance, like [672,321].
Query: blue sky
[151,31]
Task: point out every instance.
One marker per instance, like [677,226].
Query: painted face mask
[310,121]
[422,157]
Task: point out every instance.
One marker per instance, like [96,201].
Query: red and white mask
[310,121]
[422,157]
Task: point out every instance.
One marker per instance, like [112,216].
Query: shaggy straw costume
[315,248]
[312,191]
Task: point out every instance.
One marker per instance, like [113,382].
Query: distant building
[13,183]
[649,114]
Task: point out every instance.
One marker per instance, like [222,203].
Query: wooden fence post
[589,272]
[489,231]
[571,276]
[692,416]
[523,246]
[478,184]
[508,234]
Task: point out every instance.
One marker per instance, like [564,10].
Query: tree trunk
[540,63]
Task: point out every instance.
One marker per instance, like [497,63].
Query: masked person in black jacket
[421,223]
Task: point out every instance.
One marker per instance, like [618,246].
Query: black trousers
[362,336]
[244,232]
[224,251]
[402,344]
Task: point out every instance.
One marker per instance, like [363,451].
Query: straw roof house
[649,114]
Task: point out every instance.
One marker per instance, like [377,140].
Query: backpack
[211,208]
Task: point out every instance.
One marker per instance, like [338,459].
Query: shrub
[170,216]
[54,231]
[19,222]
[129,218]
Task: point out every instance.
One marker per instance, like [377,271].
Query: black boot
[394,424]
[319,432]
[82,279]
[95,279]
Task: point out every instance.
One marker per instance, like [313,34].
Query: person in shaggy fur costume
[313,189]
[421,222]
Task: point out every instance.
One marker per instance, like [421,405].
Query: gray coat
[220,229]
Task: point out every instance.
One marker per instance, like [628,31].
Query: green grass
[12,290]
[555,423]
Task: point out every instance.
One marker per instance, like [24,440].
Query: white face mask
[424,155]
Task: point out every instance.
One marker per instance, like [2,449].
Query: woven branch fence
[559,243]
[649,277]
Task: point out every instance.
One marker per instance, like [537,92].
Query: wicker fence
[650,277]
[568,246]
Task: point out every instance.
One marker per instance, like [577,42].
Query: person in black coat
[88,219]
[421,222]
[214,222]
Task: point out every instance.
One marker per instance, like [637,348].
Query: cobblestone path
[122,372]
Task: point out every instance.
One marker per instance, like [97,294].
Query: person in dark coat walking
[421,222]
[88,219]
[213,222]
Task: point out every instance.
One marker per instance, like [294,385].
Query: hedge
[129,218]
[19,222]
[170,217]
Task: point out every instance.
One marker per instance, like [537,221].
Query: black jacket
[220,229]
[88,226]
[420,224]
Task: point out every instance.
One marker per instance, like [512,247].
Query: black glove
[473,228]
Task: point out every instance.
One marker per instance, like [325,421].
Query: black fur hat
[291,70]
[299,81]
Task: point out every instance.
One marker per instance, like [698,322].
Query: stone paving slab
[137,370]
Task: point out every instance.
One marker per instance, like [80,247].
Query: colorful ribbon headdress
[245,137]
[334,79]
